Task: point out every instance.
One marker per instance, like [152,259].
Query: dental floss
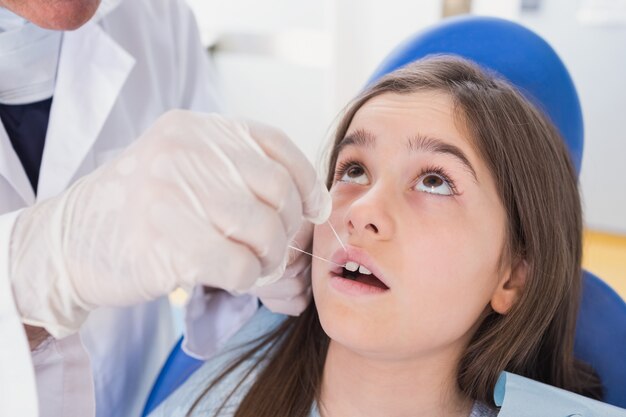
[319,257]
[315,256]
[336,235]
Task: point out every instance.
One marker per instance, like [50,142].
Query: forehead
[429,113]
[417,122]
[398,118]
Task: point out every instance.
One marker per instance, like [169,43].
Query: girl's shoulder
[228,393]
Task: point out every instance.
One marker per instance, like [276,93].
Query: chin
[347,319]
[359,339]
[56,14]
[352,329]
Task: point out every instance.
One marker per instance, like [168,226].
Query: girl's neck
[354,385]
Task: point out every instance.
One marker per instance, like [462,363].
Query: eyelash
[438,170]
[342,168]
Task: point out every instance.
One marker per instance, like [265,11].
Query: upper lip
[359,256]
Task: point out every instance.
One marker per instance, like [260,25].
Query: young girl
[460,225]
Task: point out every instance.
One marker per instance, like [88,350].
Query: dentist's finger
[316,201]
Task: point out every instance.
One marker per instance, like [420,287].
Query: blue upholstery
[513,51]
[601,336]
[531,64]
[178,367]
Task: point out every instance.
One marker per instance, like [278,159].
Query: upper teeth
[353,266]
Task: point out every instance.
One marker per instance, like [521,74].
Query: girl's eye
[354,174]
[434,184]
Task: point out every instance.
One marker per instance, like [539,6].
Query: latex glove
[291,294]
[197,199]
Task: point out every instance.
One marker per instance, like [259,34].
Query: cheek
[449,270]
[463,242]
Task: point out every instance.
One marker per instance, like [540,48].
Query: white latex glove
[198,199]
[291,294]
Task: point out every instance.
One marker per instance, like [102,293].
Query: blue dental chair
[527,61]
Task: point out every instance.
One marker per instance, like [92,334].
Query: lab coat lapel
[92,71]
[11,168]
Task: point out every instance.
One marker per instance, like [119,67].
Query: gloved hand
[290,294]
[197,199]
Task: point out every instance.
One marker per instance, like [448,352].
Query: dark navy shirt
[26,125]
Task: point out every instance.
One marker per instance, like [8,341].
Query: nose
[369,216]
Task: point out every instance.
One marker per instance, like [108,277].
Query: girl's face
[416,206]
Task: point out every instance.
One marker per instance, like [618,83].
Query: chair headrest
[514,52]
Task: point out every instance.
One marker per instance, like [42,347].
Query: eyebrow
[417,143]
[360,138]
[434,145]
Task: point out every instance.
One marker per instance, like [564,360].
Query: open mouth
[355,272]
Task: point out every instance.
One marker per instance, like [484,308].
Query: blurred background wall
[296,63]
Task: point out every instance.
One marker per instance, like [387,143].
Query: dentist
[109,201]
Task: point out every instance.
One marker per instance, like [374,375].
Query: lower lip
[350,287]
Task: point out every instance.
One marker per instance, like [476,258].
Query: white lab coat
[116,75]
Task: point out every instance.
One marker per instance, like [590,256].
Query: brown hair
[538,189]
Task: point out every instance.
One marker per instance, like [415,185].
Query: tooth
[364,270]
[351,266]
